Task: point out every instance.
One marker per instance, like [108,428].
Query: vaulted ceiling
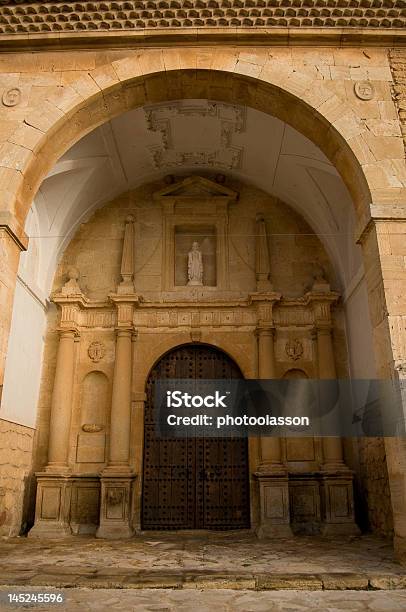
[186,137]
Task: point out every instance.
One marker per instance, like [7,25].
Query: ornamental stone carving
[19,16]
[225,120]
[114,496]
[195,265]
[11,97]
[96,351]
[71,286]
[364,90]
[294,349]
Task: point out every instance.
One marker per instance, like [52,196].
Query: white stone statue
[195,265]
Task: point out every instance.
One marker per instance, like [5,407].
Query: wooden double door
[193,483]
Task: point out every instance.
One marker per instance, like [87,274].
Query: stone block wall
[16,442]
[375,493]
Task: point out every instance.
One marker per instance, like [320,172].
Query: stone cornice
[240,37]
[9,224]
[380,213]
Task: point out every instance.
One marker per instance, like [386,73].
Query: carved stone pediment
[196,188]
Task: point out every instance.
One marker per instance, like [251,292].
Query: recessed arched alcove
[256,138]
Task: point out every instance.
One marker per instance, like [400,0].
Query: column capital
[323,329]
[69,332]
[265,330]
[125,306]
[124,332]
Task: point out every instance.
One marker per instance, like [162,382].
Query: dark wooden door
[193,483]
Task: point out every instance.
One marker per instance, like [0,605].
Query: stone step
[74,576]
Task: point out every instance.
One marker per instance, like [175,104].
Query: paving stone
[204,561]
[219,581]
[388,582]
[345,581]
[221,600]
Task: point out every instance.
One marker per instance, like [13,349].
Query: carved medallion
[11,97]
[294,349]
[96,351]
[364,90]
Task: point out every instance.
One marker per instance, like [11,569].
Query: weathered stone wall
[376,503]
[296,253]
[95,250]
[16,442]
[52,84]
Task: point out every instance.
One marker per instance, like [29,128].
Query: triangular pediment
[196,187]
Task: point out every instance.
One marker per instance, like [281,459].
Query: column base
[338,529]
[274,504]
[115,504]
[115,532]
[338,503]
[273,531]
[399,544]
[52,510]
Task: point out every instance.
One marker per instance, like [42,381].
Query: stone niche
[185,236]
[92,437]
[195,209]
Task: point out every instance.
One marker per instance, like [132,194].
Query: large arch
[228,75]
[282,91]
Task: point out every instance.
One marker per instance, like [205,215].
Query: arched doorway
[193,483]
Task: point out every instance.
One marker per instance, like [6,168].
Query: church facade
[201,191]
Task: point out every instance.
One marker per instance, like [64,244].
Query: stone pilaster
[12,241]
[383,242]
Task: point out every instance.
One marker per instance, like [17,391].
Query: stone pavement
[164,600]
[209,560]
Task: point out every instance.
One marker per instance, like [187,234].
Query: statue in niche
[195,265]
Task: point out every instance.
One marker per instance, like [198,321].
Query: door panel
[193,483]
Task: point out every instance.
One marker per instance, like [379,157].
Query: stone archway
[193,483]
[256,80]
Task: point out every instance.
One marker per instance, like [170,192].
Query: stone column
[121,403]
[332,447]
[336,479]
[270,446]
[54,490]
[117,479]
[272,475]
[61,407]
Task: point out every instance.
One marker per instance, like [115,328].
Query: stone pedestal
[116,505]
[85,504]
[338,503]
[274,519]
[305,503]
[52,510]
